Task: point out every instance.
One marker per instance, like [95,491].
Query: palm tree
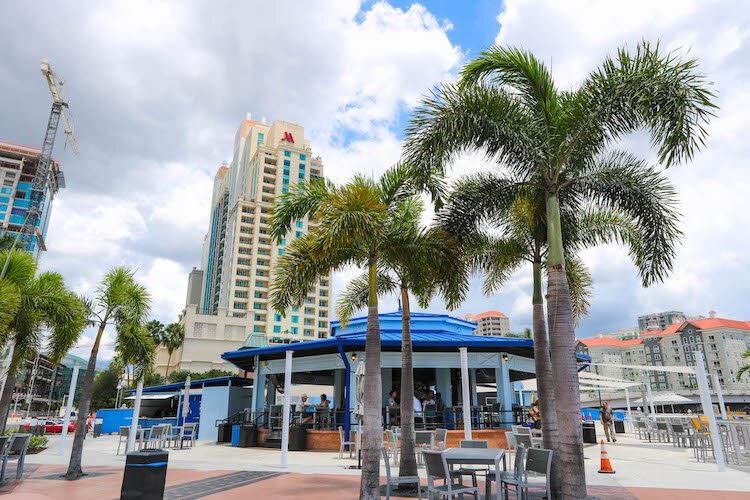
[473,212]
[122,302]
[744,368]
[349,226]
[174,336]
[42,303]
[559,144]
[423,261]
[155,329]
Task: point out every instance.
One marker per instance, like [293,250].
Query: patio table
[474,456]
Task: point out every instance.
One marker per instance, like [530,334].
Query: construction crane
[45,178]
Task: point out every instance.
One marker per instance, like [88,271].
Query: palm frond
[357,293]
[581,285]
[298,203]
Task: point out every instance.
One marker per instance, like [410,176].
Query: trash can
[248,436]
[225,433]
[145,473]
[589,432]
[97,430]
[236,435]
[297,438]
[619,427]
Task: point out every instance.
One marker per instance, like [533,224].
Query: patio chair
[429,413]
[437,469]
[392,445]
[510,438]
[701,440]
[527,441]
[681,436]
[423,439]
[189,432]
[345,443]
[538,461]
[662,431]
[396,480]
[123,437]
[522,429]
[507,478]
[441,435]
[157,436]
[17,445]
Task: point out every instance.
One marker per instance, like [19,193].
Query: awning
[667,398]
[154,396]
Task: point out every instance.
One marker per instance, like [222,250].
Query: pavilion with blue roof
[438,341]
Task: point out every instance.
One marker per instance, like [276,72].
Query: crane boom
[44,178]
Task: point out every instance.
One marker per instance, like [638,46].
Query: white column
[708,409]
[68,408]
[650,396]
[719,396]
[136,414]
[256,388]
[465,391]
[287,404]
[627,403]
[443,378]
[504,392]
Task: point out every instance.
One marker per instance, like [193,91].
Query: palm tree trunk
[562,355]
[544,379]
[169,360]
[6,400]
[84,403]
[408,460]
[369,488]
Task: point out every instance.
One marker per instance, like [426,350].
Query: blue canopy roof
[429,332]
[206,382]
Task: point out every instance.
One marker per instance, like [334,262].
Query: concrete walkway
[644,470]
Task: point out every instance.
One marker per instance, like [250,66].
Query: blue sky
[158,88]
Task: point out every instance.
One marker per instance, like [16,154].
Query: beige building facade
[490,323]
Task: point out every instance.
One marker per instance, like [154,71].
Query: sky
[157,90]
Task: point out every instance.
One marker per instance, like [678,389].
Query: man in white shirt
[417,406]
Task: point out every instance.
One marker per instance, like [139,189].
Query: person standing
[608,421]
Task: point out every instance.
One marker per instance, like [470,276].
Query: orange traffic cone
[606,466]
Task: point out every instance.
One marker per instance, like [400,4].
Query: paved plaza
[644,470]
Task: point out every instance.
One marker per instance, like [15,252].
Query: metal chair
[423,439]
[157,435]
[396,480]
[344,443]
[662,431]
[124,434]
[441,435]
[18,444]
[189,432]
[538,461]
[521,429]
[437,469]
[471,471]
[392,445]
[513,478]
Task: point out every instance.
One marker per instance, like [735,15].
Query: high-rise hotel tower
[228,303]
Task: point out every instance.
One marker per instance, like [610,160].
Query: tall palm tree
[425,262]
[559,143]
[155,330]
[349,226]
[120,301]
[43,303]
[476,216]
[174,336]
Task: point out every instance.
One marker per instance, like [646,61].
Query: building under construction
[18,166]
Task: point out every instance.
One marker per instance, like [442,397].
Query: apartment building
[490,323]
[661,319]
[239,256]
[18,164]
[722,341]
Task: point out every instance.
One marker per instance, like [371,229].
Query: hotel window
[240,305]
[257,305]
[295,330]
[281,251]
[295,319]
[277,329]
[285,190]
[300,224]
[287,154]
[298,234]
[261,136]
[258,329]
[303,157]
[302,167]
[261,284]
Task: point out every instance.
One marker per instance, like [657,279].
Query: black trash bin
[145,473]
[297,438]
[619,427]
[225,433]
[589,432]
[97,430]
[248,436]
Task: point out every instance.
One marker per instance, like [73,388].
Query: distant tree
[173,337]
[181,375]
[744,368]
[104,394]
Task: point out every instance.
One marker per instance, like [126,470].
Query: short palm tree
[155,330]
[559,143]
[350,225]
[173,338]
[120,301]
[42,303]
[424,262]
[744,368]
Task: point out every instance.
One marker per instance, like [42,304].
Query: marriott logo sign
[288,137]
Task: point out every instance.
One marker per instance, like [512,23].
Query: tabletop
[473,455]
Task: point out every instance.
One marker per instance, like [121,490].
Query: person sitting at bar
[324,402]
[303,408]
[393,400]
